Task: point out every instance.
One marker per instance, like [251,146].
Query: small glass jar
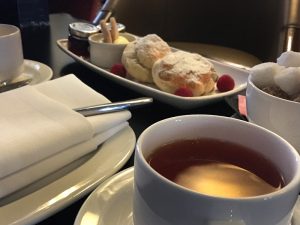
[78,37]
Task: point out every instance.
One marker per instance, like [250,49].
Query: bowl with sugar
[273,96]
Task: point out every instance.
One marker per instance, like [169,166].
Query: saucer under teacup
[104,206]
[35,71]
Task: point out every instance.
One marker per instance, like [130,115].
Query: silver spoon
[113,107]
[9,86]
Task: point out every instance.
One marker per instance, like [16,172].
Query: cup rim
[15,30]
[92,40]
[275,98]
[293,184]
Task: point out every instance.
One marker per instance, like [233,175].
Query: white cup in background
[159,201]
[276,114]
[11,53]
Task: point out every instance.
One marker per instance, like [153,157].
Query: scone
[139,56]
[184,70]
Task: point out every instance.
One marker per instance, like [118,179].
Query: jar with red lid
[78,37]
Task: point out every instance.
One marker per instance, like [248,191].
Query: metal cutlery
[9,86]
[90,110]
[113,107]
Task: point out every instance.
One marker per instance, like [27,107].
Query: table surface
[39,44]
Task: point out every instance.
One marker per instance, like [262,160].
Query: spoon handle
[112,107]
[10,86]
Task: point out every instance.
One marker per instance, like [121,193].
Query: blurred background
[256,30]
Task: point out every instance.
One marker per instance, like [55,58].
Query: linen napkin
[71,92]
[32,173]
[40,131]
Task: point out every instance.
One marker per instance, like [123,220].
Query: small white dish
[37,71]
[106,54]
[111,203]
[240,76]
[52,193]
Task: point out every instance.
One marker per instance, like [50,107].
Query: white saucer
[37,71]
[111,203]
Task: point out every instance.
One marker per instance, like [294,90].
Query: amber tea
[216,168]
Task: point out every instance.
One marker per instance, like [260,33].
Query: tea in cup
[205,169]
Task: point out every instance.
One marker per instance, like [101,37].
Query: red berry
[184,92]
[225,83]
[119,70]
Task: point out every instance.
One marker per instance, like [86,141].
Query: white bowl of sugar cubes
[273,96]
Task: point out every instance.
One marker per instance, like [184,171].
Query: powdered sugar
[151,48]
[189,65]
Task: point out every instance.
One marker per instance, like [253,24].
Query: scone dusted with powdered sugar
[181,69]
[139,56]
[149,59]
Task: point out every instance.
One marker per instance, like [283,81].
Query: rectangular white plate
[239,76]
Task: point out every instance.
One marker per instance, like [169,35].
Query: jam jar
[78,37]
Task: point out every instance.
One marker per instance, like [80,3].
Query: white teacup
[11,52]
[276,114]
[159,201]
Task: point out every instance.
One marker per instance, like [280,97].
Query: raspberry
[119,70]
[184,92]
[225,83]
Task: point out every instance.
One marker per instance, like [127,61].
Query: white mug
[11,52]
[276,114]
[159,201]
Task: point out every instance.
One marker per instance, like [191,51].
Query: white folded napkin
[70,91]
[38,124]
[32,173]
